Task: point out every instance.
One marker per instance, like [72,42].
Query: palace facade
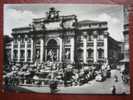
[63,39]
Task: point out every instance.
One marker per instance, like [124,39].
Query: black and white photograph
[66,49]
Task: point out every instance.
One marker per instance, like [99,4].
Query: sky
[21,15]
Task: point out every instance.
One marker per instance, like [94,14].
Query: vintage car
[99,78]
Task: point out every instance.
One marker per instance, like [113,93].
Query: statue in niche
[67,54]
[37,54]
[52,56]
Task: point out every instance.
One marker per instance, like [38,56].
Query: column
[106,46]
[12,49]
[95,46]
[72,50]
[41,49]
[32,47]
[18,50]
[57,54]
[45,53]
[60,57]
[25,59]
[85,50]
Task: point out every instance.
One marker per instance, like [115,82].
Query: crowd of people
[41,73]
[55,74]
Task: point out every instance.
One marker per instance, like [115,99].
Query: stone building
[125,60]
[63,39]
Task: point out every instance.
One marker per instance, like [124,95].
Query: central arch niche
[52,50]
[52,43]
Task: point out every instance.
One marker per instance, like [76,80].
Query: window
[29,40]
[15,53]
[100,53]
[100,37]
[126,53]
[22,54]
[90,53]
[37,42]
[29,53]
[22,40]
[15,41]
[90,37]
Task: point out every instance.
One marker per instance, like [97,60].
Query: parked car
[99,78]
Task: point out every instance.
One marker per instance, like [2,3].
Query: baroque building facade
[63,39]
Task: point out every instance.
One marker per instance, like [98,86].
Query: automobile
[99,78]
[82,81]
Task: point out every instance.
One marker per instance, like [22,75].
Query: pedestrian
[113,90]
[53,86]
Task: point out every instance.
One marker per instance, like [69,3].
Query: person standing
[113,90]
[53,86]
